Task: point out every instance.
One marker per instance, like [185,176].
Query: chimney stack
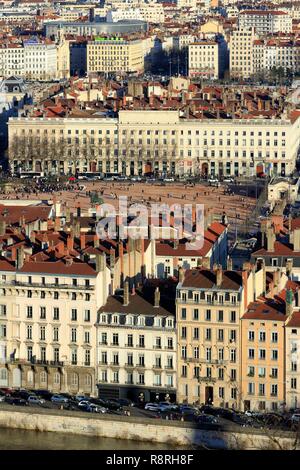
[180,274]
[219,276]
[156,297]
[20,257]
[289,300]
[70,243]
[229,263]
[100,262]
[2,227]
[206,262]
[126,294]
[296,241]
[82,241]
[270,238]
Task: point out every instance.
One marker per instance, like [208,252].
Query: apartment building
[207,59]
[292,346]
[265,21]
[276,53]
[152,13]
[209,305]
[115,55]
[35,60]
[241,52]
[47,316]
[157,141]
[136,339]
[263,353]
[170,256]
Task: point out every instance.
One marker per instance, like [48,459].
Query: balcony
[157,385]
[115,364]
[157,346]
[129,365]
[103,343]
[47,285]
[102,363]
[140,345]
[114,344]
[207,379]
[157,366]
[170,367]
[129,345]
[140,366]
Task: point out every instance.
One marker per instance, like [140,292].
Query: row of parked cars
[23,397]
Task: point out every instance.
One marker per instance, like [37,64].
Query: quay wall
[141,429]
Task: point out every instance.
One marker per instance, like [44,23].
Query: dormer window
[103,318]
[115,319]
[141,321]
[130,320]
[170,323]
[158,322]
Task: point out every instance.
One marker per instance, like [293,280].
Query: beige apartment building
[209,307]
[241,53]
[115,55]
[204,59]
[47,316]
[158,141]
[292,350]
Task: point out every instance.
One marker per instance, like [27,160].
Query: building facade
[157,141]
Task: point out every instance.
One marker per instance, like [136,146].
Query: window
[55,313]
[183,352]
[86,337]
[115,339]
[251,335]
[208,315]
[221,374]
[74,314]
[262,354]
[141,379]
[141,341]
[170,343]
[29,353]
[274,390]
[42,313]
[232,316]
[183,332]
[184,371]
[55,334]
[221,335]
[232,355]
[183,313]
[251,371]
[232,336]
[42,333]
[130,340]
[87,357]
[208,354]
[293,383]
[274,337]
[250,353]
[196,333]
[195,314]
[261,389]
[261,372]
[262,336]
[73,335]
[29,312]
[56,295]
[74,356]
[251,388]
[208,334]
[87,315]
[274,355]
[220,315]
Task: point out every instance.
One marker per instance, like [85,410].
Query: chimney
[229,263]
[69,261]
[289,300]
[126,294]
[156,297]
[276,280]
[68,215]
[112,257]
[270,239]
[57,224]
[82,241]
[20,257]
[2,227]
[70,243]
[219,276]
[100,262]
[78,210]
[180,274]
[296,242]
[206,262]
[96,241]
[76,228]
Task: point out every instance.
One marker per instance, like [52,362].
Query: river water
[19,439]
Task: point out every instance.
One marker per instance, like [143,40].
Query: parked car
[228,180]
[34,400]
[83,404]
[45,394]
[59,399]
[92,408]
[16,401]
[81,398]
[2,398]
[169,180]
[113,406]
[152,407]
[209,421]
